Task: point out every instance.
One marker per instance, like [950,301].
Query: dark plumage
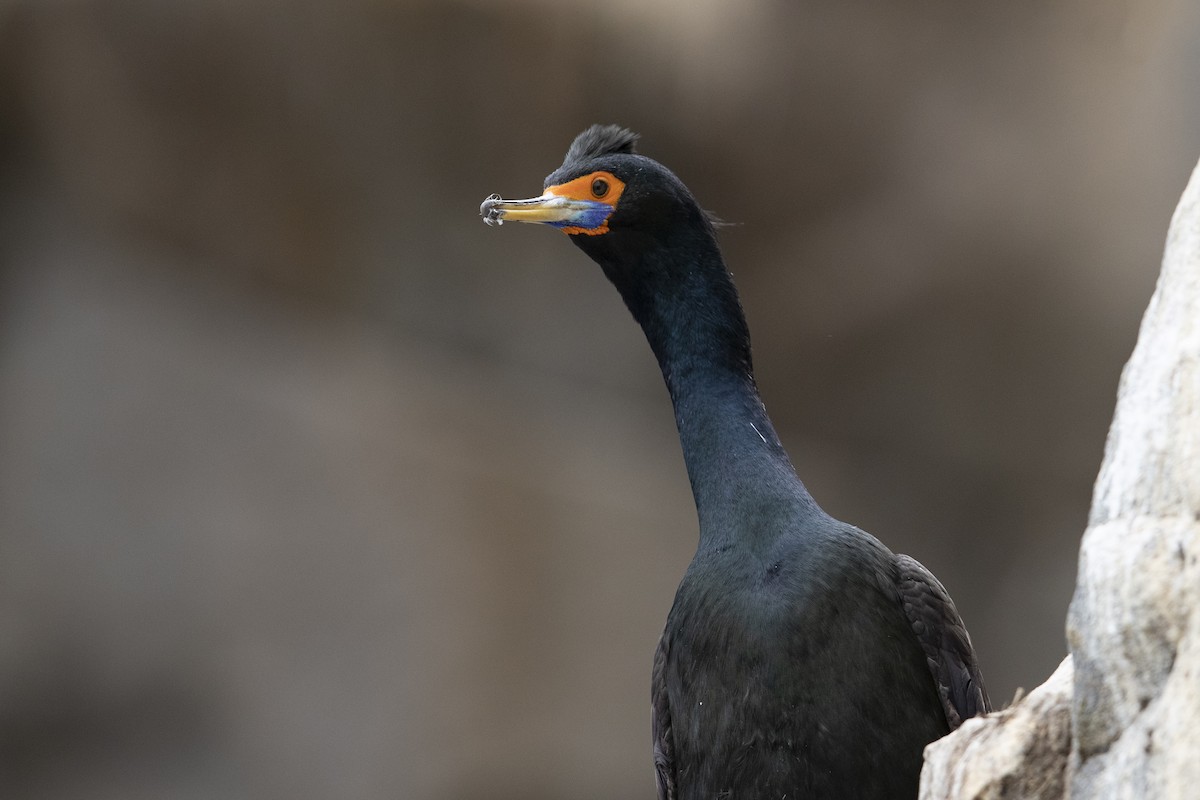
[600,140]
[801,658]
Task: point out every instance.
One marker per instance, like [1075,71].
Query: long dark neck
[692,318]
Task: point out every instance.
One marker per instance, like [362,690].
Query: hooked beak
[581,205]
[571,214]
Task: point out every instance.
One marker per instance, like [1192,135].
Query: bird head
[603,189]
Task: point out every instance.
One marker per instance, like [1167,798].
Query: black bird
[801,658]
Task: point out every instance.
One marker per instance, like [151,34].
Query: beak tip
[491,214]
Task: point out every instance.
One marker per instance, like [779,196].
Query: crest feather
[600,140]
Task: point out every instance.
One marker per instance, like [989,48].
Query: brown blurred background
[312,486]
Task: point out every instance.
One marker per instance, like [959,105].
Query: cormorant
[801,657]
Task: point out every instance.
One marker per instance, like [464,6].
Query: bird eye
[599,187]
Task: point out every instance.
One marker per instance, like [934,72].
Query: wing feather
[945,641]
[660,725]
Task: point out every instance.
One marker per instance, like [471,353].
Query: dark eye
[599,187]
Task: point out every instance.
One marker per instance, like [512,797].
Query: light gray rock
[1020,752]
[1132,682]
[1133,626]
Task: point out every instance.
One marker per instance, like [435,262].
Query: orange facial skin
[595,187]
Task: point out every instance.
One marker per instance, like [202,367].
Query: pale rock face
[1133,627]
[1020,752]
[1121,717]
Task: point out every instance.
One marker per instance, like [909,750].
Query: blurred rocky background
[313,486]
